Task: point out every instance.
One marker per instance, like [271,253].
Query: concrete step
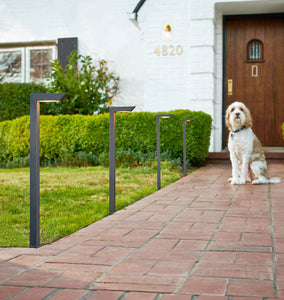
[273,155]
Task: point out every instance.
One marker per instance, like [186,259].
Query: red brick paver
[200,238]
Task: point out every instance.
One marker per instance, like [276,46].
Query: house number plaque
[171,50]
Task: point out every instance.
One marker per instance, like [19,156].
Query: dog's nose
[237,114]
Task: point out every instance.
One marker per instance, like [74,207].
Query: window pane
[255,50]
[40,64]
[11,66]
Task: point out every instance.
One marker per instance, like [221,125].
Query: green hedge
[15,99]
[71,137]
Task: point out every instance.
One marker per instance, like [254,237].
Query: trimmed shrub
[15,99]
[71,139]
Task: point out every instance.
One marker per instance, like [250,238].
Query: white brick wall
[202,32]
[166,76]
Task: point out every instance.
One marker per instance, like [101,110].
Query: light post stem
[159,148]
[184,147]
[158,155]
[34,174]
[184,144]
[111,162]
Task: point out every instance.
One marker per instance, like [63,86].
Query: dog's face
[238,116]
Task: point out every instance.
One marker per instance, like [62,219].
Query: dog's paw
[235,181]
[256,181]
[238,181]
[260,181]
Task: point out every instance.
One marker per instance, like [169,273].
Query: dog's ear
[248,122]
[227,121]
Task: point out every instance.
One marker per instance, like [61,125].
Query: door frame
[225,18]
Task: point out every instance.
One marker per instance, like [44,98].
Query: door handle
[230,87]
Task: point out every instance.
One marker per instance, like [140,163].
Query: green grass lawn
[70,198]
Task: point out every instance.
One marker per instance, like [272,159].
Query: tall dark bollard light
[35,100]
[184,144]
[158,148]
[112,114]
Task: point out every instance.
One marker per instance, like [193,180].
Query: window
[38,63]
[255,51]
[30,62]
[26,64]
[11,65]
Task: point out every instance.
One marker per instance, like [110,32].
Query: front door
[254,72]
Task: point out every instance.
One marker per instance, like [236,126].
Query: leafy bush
[15,99]
[90,88]
[85,139]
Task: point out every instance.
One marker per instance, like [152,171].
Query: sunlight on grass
[71,198]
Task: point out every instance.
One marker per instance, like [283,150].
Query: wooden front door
[254,72]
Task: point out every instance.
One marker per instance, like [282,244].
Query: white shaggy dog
[246,153]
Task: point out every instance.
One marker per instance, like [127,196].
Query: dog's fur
[246,153]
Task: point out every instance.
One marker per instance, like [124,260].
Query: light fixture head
[49,97]
[167,34]
[164,116]
[168,27]
[188,120]
[113,109]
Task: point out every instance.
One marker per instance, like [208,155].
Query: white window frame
[25,63]
[28,61]
[22,64]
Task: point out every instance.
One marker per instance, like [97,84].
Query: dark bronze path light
[158,148]
[184,144]
[35,100]
[112,114]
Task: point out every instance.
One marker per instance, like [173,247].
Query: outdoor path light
[184,144]
[158,148]
[112,113]
[35,100]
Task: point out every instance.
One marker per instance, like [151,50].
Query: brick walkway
[199,238]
